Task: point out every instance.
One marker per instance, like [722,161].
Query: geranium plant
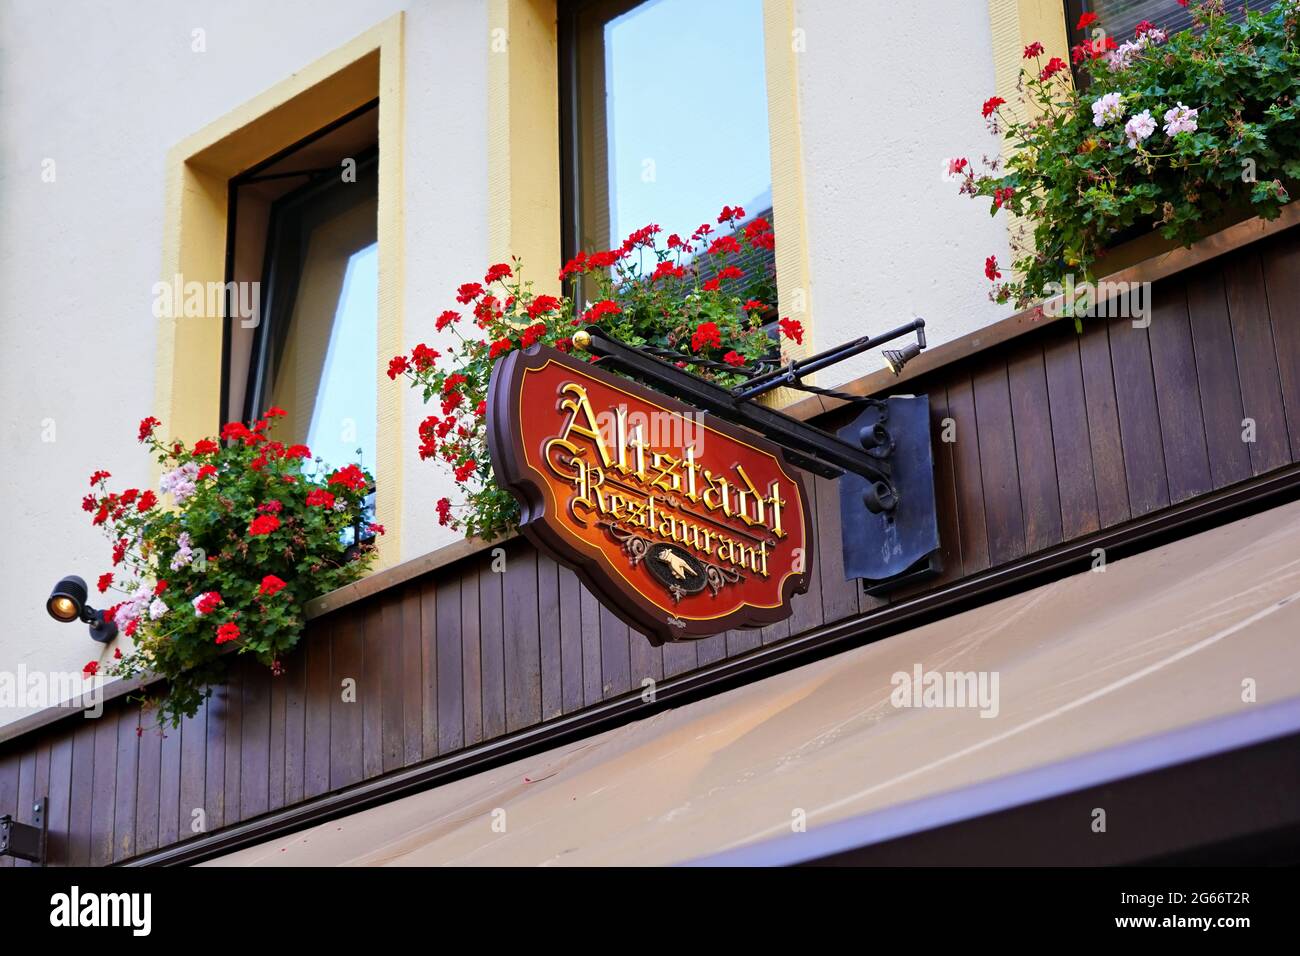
[687,296]
[1170,132]
[242,532]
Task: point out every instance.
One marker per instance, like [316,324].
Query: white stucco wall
[104,89]
[888,93]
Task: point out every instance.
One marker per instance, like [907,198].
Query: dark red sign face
[682,525]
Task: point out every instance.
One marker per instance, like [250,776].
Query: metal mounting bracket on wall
[883,460]
[26,841]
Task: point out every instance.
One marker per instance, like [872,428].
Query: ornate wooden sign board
[681,524]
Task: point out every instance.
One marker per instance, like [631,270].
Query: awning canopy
[1197,630]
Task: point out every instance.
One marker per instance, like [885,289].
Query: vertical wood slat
[646,660]
[945,489]
[316,717]
[103,786]
[967,478]
[370,685]
[1110,479]
[1257,367]
[570,598]
[522,649]
[1216,374]
[1071,444]
[295,723]
[806,609]
[492,644]
[1178,400]
[191,763]
[615,655]
[275,776]
[412,677]
[389,692]
[22,766]
[255,740]
[127,777]
[429,668]
[62,788]
[1031,416]
[1281,262]
[10,773]
[1139,420]
[451,692]
[549,631]
[347,662]
[592,668]
[471,664]
[1003,514]
[149,789]
[234,700]
[839,594]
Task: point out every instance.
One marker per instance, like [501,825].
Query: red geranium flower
[276,412]
[991,105]
[263,524]
[707,335]
[159,588]
[205,446]
[753,305]
[1054,65]
[397,366]
[350,477]
[91,669]
[1034,49]
[205,471]
[468,292]
[99,476]
[464,471]
[734,358]
[297,451]
[728,213]
[542,304]
[500,347]
[792,329]
[601,309]
[991,268]
[147,426]
[446,319]
[498,271]
[105,582]
[207,602]
[1085,21]
[320,498]
[376,528]
[271,585]
[227,632]
[147,501]
[444,511]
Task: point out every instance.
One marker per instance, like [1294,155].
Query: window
[303,235]
[1119,17]
[664,118]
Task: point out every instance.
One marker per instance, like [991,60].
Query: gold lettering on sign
[722,515]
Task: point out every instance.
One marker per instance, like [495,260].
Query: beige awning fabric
[1159,641]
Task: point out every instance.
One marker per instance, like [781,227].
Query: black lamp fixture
[67,603]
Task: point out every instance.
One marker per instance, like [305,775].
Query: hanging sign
[683,525]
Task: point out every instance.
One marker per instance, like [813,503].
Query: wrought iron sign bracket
[26,841]
[883,459]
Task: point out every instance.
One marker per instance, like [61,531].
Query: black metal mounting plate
[890,549]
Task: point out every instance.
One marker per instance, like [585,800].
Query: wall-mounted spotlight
[67,603]
[897,358]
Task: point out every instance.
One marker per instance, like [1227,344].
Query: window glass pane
[672,115]
[1119,17]
[322,367]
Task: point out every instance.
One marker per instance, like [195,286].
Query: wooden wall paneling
[60,848]
[1071,443]
[320,692]
[347,663]
[10,772]
[593,683]
[33,783]
[255,742]
[805,609]
[1281,262]
[275,775]
[412,677]
[522,641]
[1257,368]
[295,721]
[385,669]
[429,664]
[234,741]
[569,589]
[1031,415]
[370,683]
[103,786]
[965,450]
[710,650]
[451,671]
[492,647]
[471,665]
[1109,474]
[839,595]
[616,655]
[1182,425]
[1139,417]
[171,742]
[549,626]
[191,764]
[1216,374]
[148,790]
[945,491]
[127,775]
[999,476]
